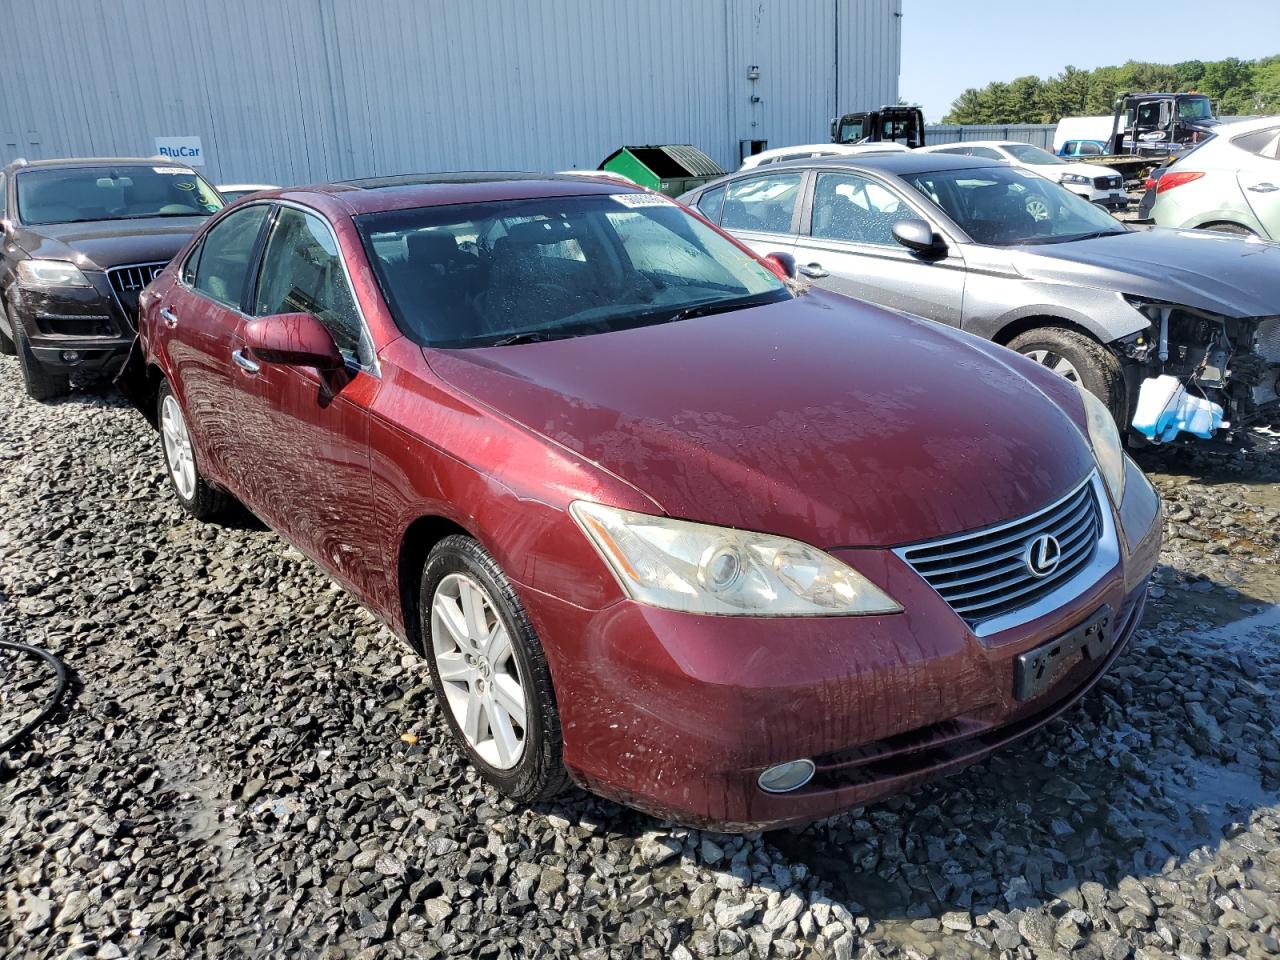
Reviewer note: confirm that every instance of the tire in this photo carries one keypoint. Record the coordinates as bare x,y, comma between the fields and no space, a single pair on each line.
1237,229
41,383
1095,367
7,347
198,497
480,677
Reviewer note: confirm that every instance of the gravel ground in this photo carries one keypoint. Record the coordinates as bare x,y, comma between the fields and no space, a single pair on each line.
247,764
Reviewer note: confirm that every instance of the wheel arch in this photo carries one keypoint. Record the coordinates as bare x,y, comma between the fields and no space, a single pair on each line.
1034,321
420,536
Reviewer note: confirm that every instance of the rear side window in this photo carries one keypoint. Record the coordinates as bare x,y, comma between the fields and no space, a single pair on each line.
986,153
223,260
302,273
1261,143
710,202
762,204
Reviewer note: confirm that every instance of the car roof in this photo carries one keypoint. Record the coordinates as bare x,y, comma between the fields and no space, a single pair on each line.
912,161
407,191
70,162
1236,127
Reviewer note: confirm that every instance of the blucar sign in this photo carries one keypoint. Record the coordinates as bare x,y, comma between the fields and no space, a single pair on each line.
185,150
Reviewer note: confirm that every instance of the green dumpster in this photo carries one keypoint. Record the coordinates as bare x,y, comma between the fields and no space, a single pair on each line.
671,169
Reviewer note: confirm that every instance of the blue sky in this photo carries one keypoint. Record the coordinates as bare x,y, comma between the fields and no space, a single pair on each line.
948,45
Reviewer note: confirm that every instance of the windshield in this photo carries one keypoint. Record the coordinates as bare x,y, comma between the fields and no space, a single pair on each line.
77,194
1004,206
1026,153
481,274
851,131
1194,108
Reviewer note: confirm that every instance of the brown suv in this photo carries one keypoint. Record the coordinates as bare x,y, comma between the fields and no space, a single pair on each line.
81,240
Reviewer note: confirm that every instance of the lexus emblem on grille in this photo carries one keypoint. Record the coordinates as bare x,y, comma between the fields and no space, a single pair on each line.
1042,556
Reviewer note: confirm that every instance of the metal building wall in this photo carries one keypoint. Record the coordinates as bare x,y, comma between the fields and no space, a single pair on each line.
291,91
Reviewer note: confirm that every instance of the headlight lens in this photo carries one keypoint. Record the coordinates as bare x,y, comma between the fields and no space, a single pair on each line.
50,273
1073,178
698,568
1108,449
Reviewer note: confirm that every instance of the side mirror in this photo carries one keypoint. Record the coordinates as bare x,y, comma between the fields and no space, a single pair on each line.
783,264
292,340
918,236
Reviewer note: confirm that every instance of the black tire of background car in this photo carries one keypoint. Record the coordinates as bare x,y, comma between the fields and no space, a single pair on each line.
540,773
207,503
1237,229
1099,369
7,347
60,673
41,382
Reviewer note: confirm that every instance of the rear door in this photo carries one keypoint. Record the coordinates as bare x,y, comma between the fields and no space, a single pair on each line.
846,244
309,449
764,211
201,331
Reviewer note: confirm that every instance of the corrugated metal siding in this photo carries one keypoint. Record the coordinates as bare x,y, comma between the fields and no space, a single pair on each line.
291,91
1039,134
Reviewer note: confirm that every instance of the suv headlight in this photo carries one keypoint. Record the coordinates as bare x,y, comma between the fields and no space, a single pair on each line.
50,273
1074,178
1104,437
698,568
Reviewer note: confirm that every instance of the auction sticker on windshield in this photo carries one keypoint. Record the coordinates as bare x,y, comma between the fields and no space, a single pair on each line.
640,199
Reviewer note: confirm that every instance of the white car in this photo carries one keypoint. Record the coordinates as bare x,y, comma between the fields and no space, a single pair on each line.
232,192
806,151
1102,185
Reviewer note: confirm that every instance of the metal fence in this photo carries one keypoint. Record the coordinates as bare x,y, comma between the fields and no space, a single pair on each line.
1040,134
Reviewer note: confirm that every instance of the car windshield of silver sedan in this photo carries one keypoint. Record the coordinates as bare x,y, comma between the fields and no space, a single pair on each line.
1004,206
488,274
84,194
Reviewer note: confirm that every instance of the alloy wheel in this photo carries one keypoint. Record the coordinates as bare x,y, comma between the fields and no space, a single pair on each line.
478,670
177,448
1055,362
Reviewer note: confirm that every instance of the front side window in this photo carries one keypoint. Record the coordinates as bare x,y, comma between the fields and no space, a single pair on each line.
1088,148
223,261
855,209
1026,153
762,204
472,275
126,192
1003,205
302,272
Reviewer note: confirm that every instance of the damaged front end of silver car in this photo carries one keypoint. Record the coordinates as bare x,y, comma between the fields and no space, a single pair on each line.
1199,373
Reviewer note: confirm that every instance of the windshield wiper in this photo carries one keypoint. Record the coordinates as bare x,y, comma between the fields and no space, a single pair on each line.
1070,237
527,336
716,306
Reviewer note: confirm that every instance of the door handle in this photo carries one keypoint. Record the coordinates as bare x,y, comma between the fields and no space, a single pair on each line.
814,271
243,362
1263,188
168,316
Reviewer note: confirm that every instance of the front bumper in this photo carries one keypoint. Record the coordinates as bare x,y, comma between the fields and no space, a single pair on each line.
679,714
73,327
1111,199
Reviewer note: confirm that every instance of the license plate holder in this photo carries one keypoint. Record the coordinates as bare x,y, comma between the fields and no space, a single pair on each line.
1037,670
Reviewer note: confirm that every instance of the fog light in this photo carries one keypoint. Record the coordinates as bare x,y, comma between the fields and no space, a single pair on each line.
785,777
70,356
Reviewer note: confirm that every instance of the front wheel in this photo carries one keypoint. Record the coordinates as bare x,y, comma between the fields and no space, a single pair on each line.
490,673
1080,359
40,382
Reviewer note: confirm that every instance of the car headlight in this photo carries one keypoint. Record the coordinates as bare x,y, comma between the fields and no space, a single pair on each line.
698,568
1104,437
50,273
1074,178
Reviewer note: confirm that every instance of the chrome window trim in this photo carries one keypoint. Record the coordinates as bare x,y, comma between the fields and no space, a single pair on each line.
1105,557
373,368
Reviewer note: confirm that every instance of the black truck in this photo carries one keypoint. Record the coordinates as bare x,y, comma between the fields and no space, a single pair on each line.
897,123
81,238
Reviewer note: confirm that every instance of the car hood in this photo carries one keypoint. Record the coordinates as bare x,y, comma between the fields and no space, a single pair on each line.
1228,275
819,418
110,243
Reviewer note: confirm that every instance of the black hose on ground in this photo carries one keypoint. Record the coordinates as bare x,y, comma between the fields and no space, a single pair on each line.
60,671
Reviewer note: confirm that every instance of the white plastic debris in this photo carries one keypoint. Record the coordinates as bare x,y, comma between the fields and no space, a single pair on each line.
1165,409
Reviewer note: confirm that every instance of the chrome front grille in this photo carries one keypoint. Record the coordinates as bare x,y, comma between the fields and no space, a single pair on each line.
133,278
986,574
127,282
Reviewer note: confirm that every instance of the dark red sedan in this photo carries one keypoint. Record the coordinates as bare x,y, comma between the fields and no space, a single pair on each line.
661,523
